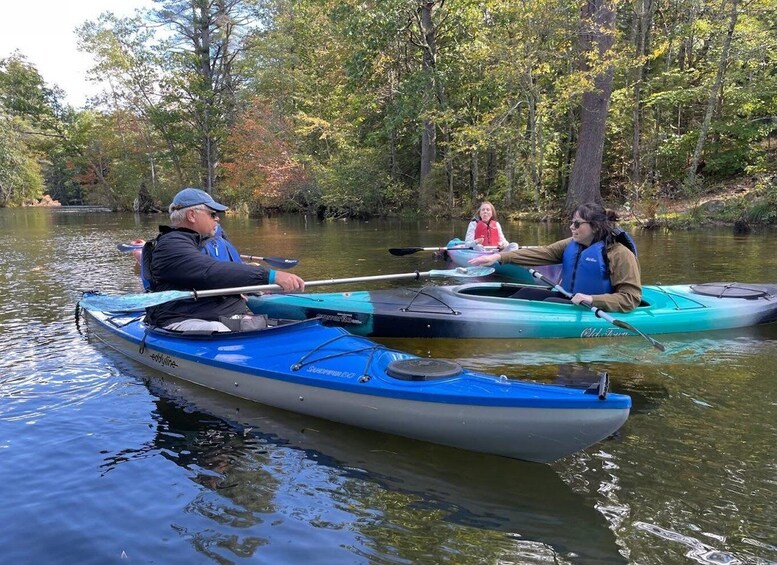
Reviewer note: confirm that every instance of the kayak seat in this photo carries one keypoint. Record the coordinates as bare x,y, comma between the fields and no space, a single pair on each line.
540,294
271,323
557,299
245,323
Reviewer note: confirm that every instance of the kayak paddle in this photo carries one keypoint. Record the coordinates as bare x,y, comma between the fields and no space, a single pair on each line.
133,302
129,247
598,311
400,251
277,262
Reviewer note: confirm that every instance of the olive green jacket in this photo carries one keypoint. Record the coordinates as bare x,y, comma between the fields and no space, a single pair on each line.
624,272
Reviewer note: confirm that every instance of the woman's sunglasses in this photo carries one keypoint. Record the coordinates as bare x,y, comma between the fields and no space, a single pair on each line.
577,223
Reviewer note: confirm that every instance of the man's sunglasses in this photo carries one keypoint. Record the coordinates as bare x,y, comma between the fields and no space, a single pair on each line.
577,223
213,214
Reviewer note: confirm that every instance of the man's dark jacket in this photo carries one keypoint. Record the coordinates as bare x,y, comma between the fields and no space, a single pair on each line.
175,262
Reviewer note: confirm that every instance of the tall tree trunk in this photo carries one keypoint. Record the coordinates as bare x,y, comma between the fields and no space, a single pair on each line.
429,134
691,176
205,39
491,162
449,169
201,21
473,174
394,169
428,155
539,156
531,131
509,172
393,160
641,30
686,58
567,157
584,185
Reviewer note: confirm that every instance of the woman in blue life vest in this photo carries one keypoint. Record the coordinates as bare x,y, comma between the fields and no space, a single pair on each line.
599,262
485,230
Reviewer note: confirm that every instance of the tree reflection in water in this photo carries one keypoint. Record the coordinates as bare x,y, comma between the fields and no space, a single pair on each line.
266,473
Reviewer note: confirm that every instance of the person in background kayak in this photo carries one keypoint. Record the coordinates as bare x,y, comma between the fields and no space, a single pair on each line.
485,230
175,261
596,267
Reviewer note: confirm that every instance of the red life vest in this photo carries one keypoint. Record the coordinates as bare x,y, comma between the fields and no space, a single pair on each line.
488,232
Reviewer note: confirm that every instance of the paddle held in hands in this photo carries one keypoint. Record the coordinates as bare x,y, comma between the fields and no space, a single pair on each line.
134,302
597,311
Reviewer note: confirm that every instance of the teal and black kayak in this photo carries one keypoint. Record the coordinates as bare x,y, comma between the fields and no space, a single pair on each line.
488,310
328,373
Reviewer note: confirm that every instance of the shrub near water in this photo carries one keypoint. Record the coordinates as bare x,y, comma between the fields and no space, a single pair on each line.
763,206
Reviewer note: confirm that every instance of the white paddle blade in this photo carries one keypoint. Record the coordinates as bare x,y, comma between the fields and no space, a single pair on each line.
463,272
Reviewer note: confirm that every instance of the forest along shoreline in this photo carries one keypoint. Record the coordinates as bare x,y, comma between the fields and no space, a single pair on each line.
434,110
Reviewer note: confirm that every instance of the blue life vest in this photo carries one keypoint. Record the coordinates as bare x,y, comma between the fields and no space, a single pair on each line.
585,269
219,247
145,264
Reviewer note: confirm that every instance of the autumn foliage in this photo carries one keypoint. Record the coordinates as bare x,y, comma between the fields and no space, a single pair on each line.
261,160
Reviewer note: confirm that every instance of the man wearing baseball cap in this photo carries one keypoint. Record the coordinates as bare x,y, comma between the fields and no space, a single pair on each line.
193,197
175,261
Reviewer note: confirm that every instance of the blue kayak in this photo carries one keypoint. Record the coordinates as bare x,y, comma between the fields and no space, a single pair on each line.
328,373
488,310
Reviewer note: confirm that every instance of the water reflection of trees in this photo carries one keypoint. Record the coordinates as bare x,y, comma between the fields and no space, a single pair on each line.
337,492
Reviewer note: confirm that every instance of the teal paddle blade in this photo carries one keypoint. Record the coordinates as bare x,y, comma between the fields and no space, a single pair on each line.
130,302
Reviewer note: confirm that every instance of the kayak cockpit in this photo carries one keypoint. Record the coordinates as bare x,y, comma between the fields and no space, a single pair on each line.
509,290
495,290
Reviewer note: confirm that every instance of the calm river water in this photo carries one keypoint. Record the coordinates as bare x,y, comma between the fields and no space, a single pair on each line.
101,462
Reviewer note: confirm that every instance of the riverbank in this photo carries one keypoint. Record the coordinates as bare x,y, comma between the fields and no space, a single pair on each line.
743,203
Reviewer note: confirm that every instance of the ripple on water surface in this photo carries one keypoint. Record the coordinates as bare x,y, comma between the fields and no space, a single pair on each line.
103,464
48,368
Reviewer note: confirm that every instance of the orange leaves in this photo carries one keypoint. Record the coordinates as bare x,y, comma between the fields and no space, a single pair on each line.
261,160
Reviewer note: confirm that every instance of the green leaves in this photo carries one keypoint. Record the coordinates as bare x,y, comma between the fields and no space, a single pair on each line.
493,87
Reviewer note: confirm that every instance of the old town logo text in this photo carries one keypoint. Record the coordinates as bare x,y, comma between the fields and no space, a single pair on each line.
603,332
